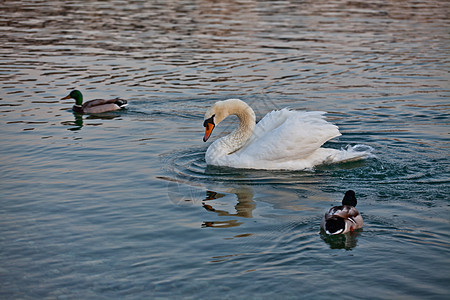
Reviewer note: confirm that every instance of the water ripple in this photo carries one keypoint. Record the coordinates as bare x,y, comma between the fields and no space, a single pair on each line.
125,206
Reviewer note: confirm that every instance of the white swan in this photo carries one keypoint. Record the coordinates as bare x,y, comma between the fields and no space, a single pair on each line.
283,139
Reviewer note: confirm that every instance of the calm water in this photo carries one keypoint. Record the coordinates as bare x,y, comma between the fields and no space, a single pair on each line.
124,206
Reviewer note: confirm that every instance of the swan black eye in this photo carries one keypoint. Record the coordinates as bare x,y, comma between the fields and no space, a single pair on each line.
209,121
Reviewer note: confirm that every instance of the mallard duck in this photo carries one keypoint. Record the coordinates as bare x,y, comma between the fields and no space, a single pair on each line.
344,218
94,106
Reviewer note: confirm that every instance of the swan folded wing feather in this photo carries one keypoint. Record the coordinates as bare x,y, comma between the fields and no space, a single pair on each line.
292,130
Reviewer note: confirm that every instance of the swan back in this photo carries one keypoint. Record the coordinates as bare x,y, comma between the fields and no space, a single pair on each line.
286,135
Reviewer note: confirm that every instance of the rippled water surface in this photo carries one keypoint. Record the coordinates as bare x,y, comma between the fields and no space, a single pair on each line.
123,205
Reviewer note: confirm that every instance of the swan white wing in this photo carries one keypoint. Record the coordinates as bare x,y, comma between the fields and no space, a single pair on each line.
286,135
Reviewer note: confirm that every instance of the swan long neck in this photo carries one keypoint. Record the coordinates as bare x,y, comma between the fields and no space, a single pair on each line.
247,120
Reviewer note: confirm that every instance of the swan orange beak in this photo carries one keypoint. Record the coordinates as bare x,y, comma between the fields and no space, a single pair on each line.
208,129
66,97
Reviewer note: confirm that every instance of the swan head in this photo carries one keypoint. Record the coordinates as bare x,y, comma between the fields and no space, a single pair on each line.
349,198
222,109
214,115
209,126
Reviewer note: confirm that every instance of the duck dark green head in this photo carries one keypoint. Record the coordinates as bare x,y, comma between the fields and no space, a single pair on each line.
349,198
75,94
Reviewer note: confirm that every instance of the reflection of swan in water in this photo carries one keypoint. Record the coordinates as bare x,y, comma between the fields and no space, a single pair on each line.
221,224
182,192
283,139
245,204
244,207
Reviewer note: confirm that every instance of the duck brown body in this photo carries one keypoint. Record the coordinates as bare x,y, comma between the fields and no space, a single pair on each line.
100,106
96,106
344,218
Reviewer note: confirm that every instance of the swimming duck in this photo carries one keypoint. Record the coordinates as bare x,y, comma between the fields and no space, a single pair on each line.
344,218
94,106
283,139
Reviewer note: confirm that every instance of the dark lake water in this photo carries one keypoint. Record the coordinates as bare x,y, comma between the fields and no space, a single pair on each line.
123,206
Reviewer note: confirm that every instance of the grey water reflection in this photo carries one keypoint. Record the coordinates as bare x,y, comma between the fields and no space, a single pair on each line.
79,120
77,124
243,208
345,241
181,193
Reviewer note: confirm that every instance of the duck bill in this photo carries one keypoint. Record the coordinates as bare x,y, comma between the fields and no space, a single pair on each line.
66,97
208,131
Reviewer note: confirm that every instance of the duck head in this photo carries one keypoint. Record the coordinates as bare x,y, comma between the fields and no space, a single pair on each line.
349,198
75,94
